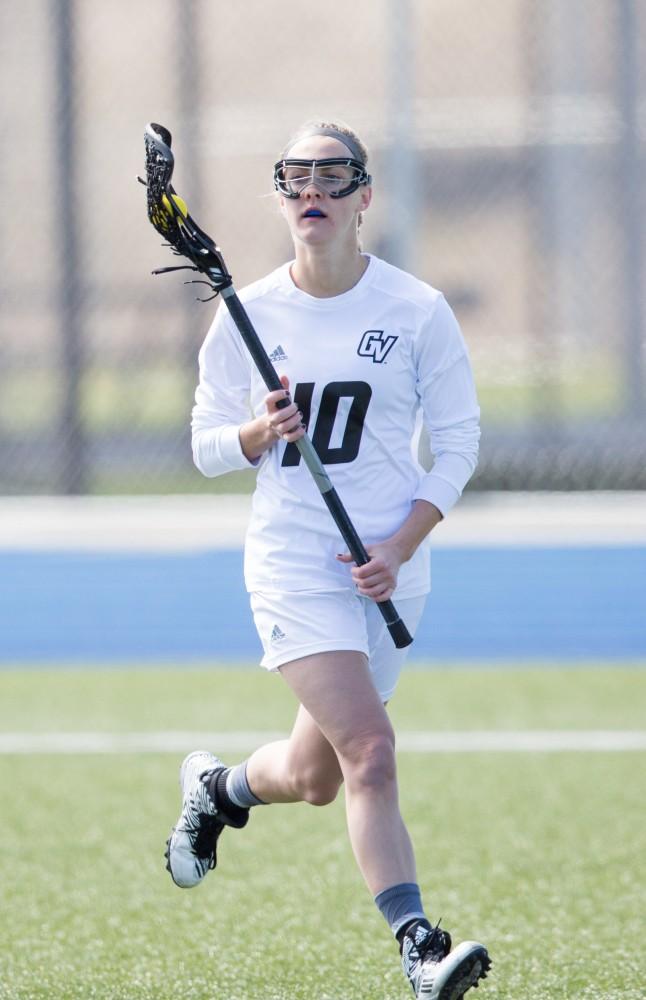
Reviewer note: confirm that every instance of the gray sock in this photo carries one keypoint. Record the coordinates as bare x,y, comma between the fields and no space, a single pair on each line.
401,904
238,788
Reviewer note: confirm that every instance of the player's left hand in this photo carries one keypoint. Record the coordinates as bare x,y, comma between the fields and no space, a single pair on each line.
378,578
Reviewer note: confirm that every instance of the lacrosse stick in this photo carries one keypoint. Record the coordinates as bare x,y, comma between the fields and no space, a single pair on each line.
170,217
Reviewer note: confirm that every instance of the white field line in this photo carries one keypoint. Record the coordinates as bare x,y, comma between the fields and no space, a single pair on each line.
463,741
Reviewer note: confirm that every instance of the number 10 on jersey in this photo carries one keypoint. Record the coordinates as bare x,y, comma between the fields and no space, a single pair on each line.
359,393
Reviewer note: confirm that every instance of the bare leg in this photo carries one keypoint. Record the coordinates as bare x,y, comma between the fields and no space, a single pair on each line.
303,768
342,718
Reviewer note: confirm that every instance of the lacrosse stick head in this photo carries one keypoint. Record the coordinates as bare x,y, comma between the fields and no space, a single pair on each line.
160,164
168,214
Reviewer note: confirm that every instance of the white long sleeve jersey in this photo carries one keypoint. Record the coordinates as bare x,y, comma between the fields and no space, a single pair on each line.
361,367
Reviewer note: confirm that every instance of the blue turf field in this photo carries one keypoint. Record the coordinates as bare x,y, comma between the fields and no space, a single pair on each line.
487,603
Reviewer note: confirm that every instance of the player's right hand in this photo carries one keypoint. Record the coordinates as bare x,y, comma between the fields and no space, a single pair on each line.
283,423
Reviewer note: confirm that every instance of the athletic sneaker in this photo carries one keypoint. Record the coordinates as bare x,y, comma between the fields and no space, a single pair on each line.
191,849
434,971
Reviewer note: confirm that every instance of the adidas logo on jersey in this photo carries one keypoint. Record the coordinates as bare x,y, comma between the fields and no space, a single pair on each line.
278,354
277,634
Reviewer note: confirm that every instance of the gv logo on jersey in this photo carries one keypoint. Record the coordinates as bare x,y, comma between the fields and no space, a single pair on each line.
374,345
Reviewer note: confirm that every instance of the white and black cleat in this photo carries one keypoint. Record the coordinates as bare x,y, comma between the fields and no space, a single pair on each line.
191,849
437,973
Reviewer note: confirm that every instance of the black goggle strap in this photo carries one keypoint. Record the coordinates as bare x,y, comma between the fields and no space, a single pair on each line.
361,176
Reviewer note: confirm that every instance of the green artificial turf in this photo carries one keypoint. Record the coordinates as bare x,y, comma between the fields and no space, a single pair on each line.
540,855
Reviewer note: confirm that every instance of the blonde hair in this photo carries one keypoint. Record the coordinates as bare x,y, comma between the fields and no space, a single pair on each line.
311,128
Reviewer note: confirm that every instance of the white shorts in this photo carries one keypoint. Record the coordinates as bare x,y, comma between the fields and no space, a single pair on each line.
298,623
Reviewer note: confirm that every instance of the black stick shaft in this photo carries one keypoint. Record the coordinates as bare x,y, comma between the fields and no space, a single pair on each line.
400,634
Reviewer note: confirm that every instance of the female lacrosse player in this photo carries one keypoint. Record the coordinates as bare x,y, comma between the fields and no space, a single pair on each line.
361,347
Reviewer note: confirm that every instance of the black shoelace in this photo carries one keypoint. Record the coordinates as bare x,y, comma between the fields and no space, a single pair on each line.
436,945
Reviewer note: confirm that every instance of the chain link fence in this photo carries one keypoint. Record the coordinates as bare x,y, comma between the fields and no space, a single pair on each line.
506,144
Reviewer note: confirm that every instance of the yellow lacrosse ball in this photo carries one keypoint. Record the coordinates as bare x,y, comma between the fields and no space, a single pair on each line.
180,205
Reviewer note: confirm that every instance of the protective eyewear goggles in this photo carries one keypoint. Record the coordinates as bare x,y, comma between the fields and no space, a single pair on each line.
336,176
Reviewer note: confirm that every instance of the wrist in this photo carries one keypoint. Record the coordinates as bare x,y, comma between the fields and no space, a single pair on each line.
405,544
423,518
403,547
256,438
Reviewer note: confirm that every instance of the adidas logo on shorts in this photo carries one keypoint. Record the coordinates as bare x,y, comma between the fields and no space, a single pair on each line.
278,354
277,634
